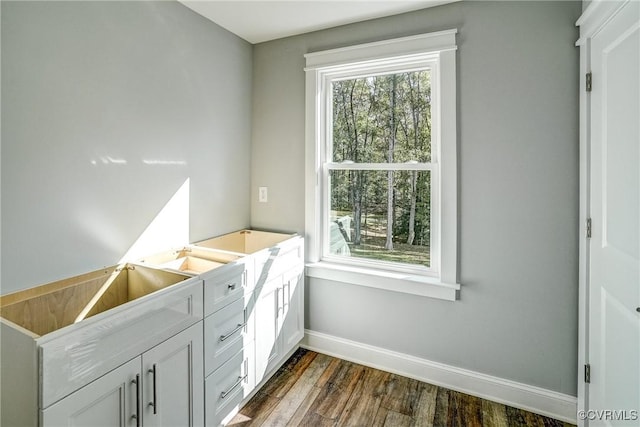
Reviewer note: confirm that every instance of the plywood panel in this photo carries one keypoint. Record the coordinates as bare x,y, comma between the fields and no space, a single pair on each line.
47,308
53,286
113,293
197,265
245,241
43,313
233,242
143,281
209,254
258,240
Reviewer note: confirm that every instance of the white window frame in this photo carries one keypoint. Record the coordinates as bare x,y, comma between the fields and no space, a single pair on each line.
433,51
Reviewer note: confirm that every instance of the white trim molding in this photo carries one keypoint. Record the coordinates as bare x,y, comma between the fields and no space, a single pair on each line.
437,52
413,284
404,46
530,398
596,16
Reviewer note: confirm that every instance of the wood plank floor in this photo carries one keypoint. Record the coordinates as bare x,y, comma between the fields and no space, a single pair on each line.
313,389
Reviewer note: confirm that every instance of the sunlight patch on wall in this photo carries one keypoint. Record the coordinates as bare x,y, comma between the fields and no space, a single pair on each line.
109,161
169,229
165,162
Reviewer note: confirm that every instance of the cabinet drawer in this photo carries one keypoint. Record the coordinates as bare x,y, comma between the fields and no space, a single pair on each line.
226,332
70,360
223,286
227,387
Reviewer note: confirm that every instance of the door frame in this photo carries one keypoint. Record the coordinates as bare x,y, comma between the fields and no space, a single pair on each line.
592,20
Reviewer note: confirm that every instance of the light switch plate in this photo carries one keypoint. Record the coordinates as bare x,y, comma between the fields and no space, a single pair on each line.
262,194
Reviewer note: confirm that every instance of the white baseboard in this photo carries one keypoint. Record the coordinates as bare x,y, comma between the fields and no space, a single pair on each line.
534,399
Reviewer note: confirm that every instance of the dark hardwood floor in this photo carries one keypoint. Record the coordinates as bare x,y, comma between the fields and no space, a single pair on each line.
313,389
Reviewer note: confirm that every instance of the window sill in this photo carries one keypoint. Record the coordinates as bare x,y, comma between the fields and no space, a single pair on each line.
382,279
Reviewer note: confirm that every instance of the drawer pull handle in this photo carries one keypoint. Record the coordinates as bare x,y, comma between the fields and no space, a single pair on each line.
240,326
233,387
154,404
231,286
136,416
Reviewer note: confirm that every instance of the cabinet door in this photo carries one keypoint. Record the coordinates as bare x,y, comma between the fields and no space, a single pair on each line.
174,381
108,401
292,313
267,328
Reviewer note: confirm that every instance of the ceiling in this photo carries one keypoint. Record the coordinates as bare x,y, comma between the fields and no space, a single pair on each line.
262,20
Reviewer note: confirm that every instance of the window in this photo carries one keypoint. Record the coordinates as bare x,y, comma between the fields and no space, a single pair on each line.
381,165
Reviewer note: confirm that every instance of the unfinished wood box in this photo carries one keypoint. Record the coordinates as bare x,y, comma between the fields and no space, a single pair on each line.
61,336
245,242
190,260
271,253
224,274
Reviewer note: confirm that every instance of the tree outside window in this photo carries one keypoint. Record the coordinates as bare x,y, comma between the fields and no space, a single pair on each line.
379,168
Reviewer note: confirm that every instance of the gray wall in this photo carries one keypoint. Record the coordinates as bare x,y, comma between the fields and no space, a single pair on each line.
85,84
518,186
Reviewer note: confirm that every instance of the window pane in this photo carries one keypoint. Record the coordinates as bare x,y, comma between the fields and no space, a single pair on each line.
381,119
364,222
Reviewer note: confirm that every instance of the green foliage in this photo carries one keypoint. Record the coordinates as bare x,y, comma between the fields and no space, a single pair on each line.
362,116
422,224
380,119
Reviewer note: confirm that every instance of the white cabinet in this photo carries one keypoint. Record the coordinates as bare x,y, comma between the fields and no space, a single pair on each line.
108,401
161,387
228,340
58,338
227,331
279,319
248,336
291,317
267,306
226,388
143,344
173,387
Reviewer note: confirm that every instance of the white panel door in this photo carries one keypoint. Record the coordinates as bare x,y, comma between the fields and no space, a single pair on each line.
614,279
106,402
174,381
